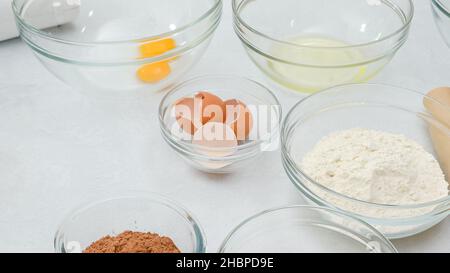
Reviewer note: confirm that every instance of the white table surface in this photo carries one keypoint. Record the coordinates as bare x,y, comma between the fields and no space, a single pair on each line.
81,153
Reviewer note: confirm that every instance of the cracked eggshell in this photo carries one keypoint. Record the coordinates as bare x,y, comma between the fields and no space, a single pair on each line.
212,107
185,115
215,139
239,118
192,113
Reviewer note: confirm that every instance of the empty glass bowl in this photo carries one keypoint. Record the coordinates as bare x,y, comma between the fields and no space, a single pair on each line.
143,213
441,12
116,46
264,136
302,229
369,106
309,45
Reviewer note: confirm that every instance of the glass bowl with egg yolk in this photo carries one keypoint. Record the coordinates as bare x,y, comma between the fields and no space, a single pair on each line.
118,47
217,146
310,45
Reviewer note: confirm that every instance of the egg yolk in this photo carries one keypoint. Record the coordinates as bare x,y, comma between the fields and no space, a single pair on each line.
155,48
154,72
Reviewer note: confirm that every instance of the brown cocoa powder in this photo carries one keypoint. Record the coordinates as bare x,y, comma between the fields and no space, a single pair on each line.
133,242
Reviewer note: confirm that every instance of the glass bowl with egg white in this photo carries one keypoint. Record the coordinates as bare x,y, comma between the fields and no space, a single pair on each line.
310,45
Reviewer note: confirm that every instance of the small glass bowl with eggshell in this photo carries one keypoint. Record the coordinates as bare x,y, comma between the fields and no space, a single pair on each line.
116,47
220,123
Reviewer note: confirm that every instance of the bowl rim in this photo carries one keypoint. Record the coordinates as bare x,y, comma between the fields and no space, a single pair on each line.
404,27
151,197
287,155
183,145
442,7
335,212
388,53
22,22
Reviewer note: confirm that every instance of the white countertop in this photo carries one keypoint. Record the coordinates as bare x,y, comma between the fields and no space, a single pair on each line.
80,152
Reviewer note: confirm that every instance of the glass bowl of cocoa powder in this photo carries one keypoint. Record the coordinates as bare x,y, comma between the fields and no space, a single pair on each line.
144,223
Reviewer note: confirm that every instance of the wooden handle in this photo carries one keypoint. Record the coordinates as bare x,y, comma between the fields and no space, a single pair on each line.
439,107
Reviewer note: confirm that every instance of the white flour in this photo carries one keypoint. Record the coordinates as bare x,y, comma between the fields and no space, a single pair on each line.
376,167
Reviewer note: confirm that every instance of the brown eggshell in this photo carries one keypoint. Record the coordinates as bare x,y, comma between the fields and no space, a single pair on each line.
185,115
239,118
216,139
212,107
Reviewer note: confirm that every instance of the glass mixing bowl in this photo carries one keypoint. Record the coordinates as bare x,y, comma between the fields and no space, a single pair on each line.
309,45
371,106
142,212
116,46
264,136
302,229
441,12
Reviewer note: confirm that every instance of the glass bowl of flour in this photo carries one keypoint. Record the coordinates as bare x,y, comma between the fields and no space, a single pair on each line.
377,152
